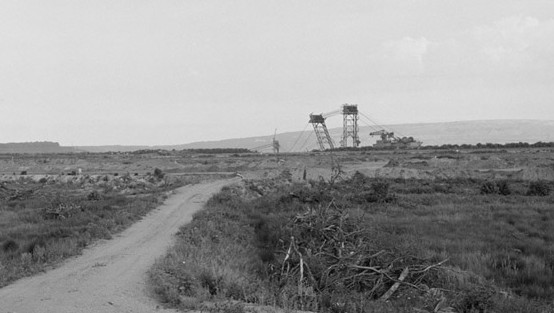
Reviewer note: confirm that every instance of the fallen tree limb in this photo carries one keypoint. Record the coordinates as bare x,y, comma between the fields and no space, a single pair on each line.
396,285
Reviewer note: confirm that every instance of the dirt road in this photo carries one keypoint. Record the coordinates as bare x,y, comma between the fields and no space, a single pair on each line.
111,275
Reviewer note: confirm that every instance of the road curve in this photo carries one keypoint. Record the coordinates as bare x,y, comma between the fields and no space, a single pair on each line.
111,275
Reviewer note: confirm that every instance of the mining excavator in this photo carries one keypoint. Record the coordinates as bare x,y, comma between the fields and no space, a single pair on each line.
388,139
273,145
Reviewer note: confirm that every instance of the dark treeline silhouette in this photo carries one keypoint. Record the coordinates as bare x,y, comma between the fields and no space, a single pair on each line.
539,144
193,151
510,145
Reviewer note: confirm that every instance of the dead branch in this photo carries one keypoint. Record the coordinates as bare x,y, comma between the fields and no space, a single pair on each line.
396,285
328,251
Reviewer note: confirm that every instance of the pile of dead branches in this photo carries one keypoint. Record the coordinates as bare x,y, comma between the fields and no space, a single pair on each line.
331,253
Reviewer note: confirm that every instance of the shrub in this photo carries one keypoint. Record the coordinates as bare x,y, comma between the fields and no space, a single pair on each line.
475,301
538,188
503,187
93,196
488,188
35,245
158,173
379,192
500,187
10,245
380,189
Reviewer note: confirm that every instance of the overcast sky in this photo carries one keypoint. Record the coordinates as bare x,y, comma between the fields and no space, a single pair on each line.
169,72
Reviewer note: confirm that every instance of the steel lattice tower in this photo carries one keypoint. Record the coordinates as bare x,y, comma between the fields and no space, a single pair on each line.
321,132
350,125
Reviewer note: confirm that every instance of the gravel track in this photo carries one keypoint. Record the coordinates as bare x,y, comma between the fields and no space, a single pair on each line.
111,275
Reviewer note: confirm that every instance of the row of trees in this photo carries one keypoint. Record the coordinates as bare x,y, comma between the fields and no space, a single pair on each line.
193,151
539,144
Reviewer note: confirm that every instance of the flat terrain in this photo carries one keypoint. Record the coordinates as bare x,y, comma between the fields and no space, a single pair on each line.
110,276
522,163
435,195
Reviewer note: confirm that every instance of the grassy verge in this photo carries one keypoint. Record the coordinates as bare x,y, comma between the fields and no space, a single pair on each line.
446,245
42,223
213,258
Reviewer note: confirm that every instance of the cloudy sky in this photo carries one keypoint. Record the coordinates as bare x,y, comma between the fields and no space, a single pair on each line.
169,72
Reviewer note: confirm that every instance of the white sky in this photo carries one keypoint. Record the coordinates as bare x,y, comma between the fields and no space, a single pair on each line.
169,72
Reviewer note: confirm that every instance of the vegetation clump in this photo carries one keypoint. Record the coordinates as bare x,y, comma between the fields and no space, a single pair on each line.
158,173
538,188
9,246
495,187
93,196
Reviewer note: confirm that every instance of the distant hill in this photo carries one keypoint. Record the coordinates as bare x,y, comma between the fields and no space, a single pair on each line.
468,132
465,132
34,147
473,132
111,148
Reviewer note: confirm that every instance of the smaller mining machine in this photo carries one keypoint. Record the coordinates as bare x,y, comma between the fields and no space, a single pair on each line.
273,145
389,140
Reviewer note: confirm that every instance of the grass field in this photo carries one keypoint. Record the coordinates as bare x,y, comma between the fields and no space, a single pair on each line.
437,231
461,246
44,222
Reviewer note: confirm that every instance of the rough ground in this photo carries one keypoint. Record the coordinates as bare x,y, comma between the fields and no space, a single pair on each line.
111,276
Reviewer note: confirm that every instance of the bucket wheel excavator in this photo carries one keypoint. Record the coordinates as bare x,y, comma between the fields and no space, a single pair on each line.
388,139
324,140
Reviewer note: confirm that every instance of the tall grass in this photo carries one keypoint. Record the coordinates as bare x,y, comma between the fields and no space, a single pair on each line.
215,258
499,247
31,239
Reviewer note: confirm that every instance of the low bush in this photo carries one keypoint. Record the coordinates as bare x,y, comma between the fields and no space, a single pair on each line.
489,187
503,188
495,187
158,173
10,246
538,188
93,196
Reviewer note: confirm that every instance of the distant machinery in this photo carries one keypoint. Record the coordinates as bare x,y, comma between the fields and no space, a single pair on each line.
322,134
350,130
350,125
274,145
388,139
